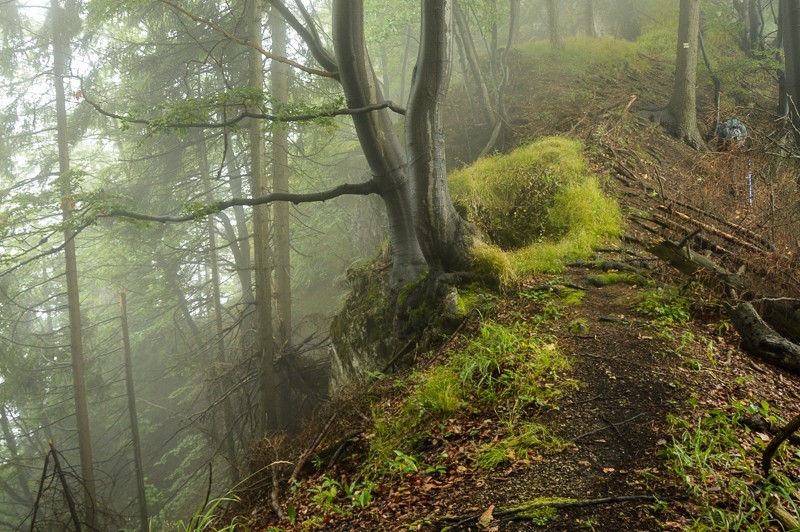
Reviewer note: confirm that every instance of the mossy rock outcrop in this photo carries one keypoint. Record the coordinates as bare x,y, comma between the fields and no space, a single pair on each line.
377,326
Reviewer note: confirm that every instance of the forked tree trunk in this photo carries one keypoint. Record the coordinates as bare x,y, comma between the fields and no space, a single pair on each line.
378,140
444,236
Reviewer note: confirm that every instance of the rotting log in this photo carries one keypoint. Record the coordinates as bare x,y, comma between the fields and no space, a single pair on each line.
759,338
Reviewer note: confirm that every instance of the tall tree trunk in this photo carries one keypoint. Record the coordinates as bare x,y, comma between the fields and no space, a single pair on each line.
591,27
137,447
680,114
218,373
553,25
444,236
474,66
790,24
261,220
60,55
378,140
279,79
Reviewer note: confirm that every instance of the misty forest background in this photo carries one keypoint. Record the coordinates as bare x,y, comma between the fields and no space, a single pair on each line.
115,111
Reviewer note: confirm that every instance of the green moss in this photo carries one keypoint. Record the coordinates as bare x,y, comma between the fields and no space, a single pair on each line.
491,261
578,326
541,202
541,510
609,278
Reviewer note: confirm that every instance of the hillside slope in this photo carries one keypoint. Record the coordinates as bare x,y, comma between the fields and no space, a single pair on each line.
610,396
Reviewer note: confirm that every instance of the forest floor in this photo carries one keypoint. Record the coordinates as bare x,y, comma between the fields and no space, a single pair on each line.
655,425
641,382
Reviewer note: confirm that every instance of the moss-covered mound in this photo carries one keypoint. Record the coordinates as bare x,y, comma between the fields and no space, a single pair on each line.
540,202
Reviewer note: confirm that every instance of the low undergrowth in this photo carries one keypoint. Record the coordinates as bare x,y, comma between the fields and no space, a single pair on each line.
716,458
506,369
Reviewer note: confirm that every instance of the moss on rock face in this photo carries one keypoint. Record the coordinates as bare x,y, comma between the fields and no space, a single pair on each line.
374,326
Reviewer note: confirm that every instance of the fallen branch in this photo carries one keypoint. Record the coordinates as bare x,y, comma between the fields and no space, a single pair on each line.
758,338
615,425
776,442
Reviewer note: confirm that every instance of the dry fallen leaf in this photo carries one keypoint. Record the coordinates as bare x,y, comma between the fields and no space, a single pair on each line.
486,518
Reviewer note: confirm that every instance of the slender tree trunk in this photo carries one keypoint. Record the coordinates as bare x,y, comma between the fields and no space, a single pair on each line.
137,447
474,66
378,140
261,221
790,17
445,237
11,443
60,55
223,384
591,27
280,183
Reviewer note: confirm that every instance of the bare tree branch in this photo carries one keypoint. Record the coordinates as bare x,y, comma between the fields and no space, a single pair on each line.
261,116
308,34
255,46
357,189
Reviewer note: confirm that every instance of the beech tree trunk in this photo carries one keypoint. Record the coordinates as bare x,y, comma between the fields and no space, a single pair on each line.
444,236
378,140
60,55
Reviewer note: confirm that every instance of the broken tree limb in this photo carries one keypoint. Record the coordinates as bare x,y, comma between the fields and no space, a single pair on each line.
758,338
776,442
711,229
761,340
693,264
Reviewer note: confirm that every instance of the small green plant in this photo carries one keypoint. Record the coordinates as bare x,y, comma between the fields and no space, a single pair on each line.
521,438
665,307
325,494
504,365
207,517
719,472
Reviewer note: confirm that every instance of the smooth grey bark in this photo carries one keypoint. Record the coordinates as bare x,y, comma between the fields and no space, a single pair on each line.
60,57
377,138
444,236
